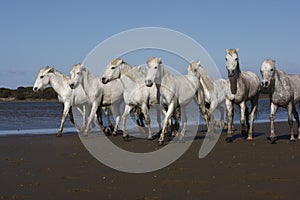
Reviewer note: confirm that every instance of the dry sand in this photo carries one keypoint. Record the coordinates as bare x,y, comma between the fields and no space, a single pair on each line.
46,167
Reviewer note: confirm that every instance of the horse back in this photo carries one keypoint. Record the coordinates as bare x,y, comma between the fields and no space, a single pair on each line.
295,82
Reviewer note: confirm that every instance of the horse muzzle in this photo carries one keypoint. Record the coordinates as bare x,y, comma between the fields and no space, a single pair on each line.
35,89
231,73
265,84
72,85
148,83
104,80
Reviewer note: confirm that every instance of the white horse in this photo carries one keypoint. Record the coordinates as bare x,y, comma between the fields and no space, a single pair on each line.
136,94
175,92
244,86
98,94
60,83
284,92
214,92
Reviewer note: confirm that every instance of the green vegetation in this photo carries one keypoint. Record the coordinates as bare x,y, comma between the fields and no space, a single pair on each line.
26,93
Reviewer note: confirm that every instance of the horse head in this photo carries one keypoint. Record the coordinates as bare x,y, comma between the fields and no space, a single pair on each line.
267,71
43,78
153,70
193,68
113,70
76,75
232,61
233,68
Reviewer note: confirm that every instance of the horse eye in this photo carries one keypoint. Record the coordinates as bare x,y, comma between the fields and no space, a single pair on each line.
272,69
155,67
226,59
113,67
78,73
236,59
41,77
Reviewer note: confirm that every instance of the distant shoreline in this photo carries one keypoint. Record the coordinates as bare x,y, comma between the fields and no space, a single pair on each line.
27,100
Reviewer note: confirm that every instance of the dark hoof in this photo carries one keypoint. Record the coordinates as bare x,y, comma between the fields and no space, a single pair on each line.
126,138
228,139
273,140
160,143
293,140
112,128
114,134
58,134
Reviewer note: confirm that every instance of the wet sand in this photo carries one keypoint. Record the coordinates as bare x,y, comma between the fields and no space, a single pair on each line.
46,167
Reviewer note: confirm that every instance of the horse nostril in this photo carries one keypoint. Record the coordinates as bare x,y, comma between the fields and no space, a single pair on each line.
72,85
35,89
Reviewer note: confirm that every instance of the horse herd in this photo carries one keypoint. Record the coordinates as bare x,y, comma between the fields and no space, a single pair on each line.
158,88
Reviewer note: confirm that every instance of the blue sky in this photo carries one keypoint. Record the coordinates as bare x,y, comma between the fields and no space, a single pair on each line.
34,34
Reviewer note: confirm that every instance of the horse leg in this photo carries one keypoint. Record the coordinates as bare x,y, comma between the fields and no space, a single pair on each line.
63,118
106,113
90,118
184,122
147,119
175,127
115,108
243,107
166,121
158,118
100,120
295,113
72,119
124,116
229,107
291,107
254,103
272,115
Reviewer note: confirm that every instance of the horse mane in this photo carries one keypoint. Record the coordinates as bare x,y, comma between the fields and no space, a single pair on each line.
207,80
135,74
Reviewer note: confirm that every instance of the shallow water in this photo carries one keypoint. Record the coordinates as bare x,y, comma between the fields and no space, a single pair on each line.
44,117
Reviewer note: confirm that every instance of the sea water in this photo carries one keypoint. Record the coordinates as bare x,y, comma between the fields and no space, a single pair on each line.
45,117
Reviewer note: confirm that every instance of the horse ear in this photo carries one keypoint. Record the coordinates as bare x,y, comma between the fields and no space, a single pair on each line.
227,51
274,61
119,62
159,60
237,49
198,62
50,70
82,67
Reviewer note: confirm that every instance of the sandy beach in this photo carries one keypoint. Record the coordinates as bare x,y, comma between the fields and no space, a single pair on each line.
46,167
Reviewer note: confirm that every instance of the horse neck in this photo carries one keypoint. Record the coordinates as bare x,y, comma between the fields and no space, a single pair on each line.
58,82
125,69
276,83
88,81
164,74
234,80
207,80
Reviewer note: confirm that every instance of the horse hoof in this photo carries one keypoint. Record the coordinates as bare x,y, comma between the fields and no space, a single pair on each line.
114,134
126,138
273,140
228,139
58,135
293,140
160,143
249,138
150,138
